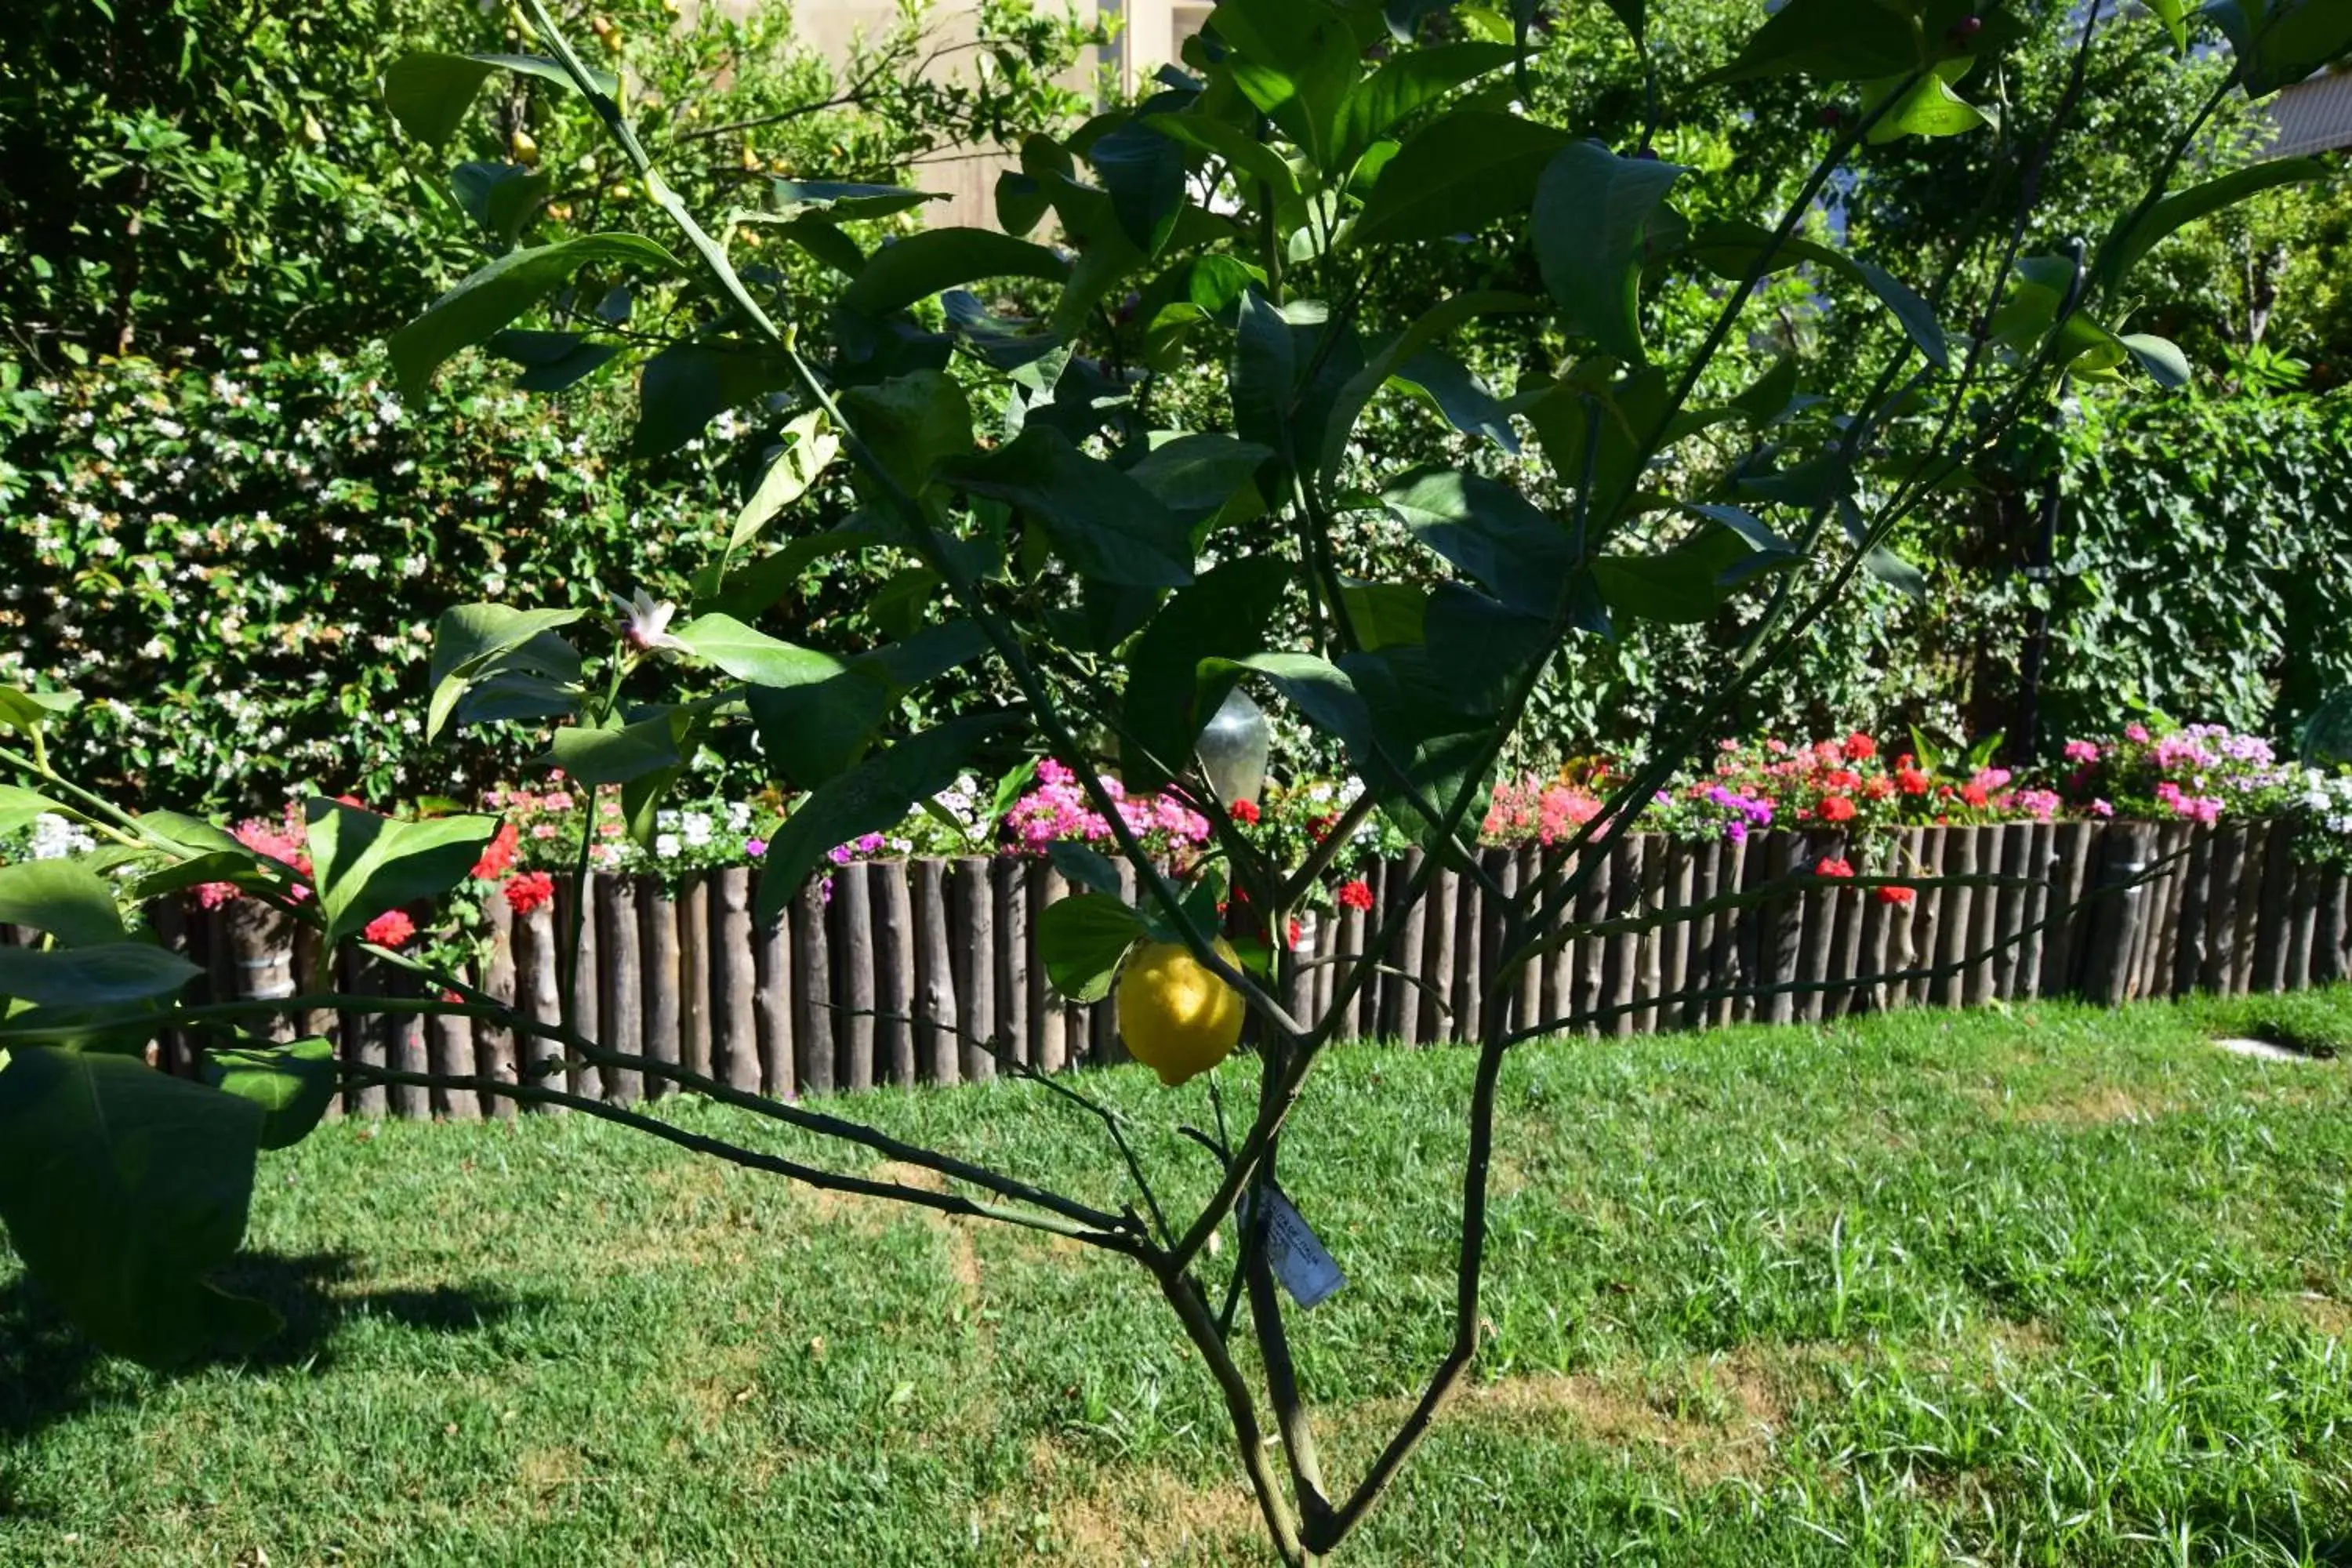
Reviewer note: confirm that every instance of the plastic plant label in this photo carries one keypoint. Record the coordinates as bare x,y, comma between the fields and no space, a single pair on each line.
1298,1259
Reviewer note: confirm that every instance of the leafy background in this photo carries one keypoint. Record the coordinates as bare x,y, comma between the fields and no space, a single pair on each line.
221,525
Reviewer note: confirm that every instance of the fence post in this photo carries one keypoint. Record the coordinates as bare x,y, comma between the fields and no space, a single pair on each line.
733,981
656,989
816,1056
775,984
852,988
1008,885
974,947
494,1045
624,910
938,1047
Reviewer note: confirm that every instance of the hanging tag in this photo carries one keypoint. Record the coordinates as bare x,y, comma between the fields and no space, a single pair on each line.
1298,1258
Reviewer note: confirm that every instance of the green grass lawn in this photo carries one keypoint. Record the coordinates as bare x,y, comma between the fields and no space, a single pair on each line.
2043,1286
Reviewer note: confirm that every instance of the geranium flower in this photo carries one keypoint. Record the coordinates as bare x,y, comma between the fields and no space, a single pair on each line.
390,929
498,855
1836,808
529,890
1860,747
1245,811
1894,895
1356,894
1832,866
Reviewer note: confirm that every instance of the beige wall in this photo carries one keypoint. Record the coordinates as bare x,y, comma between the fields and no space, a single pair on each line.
1153,30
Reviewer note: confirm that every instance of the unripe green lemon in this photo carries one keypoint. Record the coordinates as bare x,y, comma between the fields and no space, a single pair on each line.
1177,1017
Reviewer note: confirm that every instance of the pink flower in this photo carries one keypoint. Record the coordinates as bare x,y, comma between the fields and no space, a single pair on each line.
2082,752
2101,808
2135,732
755,847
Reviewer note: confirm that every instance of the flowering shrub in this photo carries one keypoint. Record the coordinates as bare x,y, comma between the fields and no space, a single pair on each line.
1057,811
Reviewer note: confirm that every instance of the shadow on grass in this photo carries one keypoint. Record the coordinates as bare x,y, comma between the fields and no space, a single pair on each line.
48,1373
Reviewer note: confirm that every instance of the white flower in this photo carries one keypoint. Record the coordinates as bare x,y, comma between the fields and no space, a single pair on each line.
666,845
696,825
55,837
645,624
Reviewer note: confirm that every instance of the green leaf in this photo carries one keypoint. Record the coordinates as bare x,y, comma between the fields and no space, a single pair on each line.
686,386
809,449
1409,81
1107,526
1687,583
616,754
1084,868
2160,357
842,202
1831,40
19,808
921,265
1196,477
499,293
366,864
1446,384
1460,172
472,643
1730,250
754,656
869,797
1928,107
1895,573
1080,941
1490,532
429,93
122,1187
293,1084
63,898
1295,62
1143,171
1434,323
2283,42
2136,233
1244,155
550,361
101,977
500,196
1594,214
910,423
2174,14
29,712
1223,616
1383,614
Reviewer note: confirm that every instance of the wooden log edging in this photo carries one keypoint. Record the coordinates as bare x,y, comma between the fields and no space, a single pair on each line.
896,973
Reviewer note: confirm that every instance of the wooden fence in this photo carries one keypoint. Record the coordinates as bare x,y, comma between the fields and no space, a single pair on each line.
898,976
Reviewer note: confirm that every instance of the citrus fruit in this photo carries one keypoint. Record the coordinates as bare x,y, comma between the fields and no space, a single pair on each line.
1177,1017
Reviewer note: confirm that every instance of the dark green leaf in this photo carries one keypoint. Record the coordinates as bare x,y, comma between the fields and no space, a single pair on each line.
2135,235
293,1084
1436,322
2283,42
1143,171
1410,81
616,754
1196,477
1490,532
1107,526
100,977
122,1187
430,93
869,797
1593,216
1460,172
842,202
66,900
500,197
367,863
1731,250
1832,40
499,293
686,386
921,265
473,642
552,361
911,422
1223,616
1080,941
1082,867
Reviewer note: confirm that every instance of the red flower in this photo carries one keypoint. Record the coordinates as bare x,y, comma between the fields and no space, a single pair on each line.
530,890
1911,780
1860,747
390,929
1841,778
497,856
1356,894
1836,808
1894,895
1245,811
1973,793
1832,867
1877,788
1293,943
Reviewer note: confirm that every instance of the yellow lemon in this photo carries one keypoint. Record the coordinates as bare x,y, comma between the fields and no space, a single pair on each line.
1177,1017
